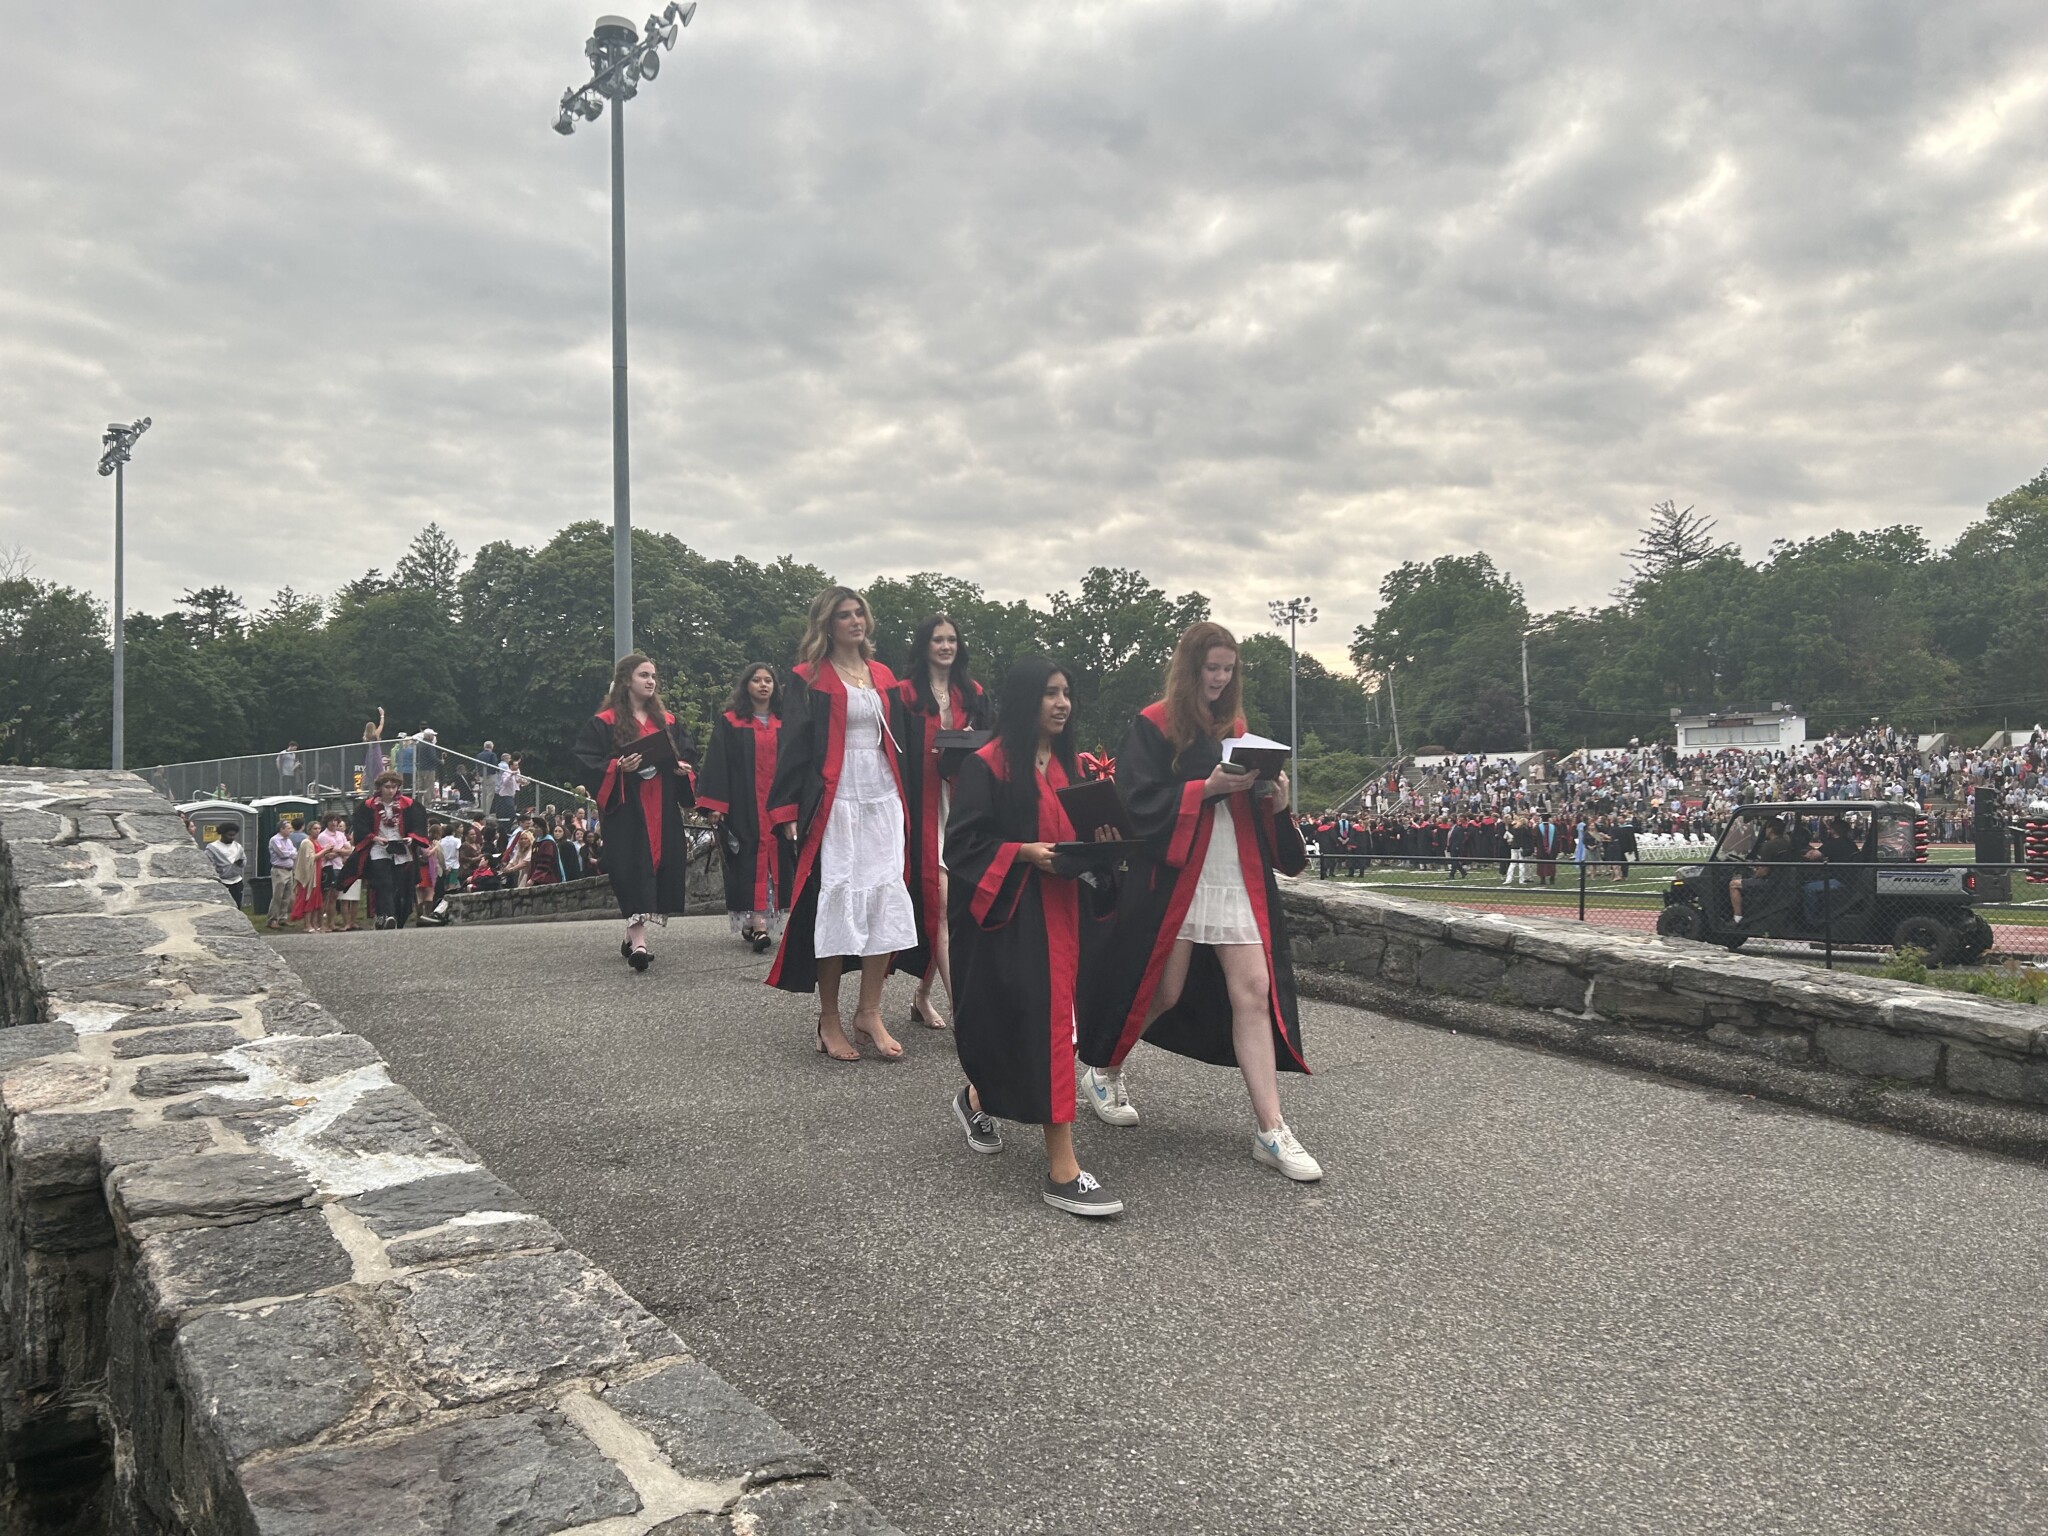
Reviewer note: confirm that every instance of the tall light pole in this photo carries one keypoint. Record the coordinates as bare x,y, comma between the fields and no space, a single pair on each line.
1294,612
620,58
118,441
1528,718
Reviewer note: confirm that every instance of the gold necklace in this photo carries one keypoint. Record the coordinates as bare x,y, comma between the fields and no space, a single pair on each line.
861,679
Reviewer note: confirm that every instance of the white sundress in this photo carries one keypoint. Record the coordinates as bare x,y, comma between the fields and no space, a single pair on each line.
863,904
1221,912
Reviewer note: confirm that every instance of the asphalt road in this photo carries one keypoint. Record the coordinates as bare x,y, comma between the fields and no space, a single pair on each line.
1533,1295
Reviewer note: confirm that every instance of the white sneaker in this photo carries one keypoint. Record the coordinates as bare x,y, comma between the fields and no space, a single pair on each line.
1277,1148
1105,1093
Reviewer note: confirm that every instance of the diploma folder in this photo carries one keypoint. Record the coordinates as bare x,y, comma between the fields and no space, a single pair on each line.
1092,806
954,747
1265,758
657,749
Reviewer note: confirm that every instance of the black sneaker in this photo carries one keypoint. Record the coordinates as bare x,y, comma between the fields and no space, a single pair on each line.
1082,1197
982,1134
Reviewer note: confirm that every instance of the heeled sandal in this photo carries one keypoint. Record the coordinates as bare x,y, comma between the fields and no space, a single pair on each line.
922,1012
860,1030
826,1050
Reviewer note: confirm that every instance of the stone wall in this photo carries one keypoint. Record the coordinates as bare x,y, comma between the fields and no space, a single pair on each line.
1947,1063
576,899
248,1284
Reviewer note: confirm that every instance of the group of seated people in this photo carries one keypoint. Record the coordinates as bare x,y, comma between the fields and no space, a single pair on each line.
1775,844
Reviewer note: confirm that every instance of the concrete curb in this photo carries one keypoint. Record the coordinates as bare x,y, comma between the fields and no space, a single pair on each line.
250,1285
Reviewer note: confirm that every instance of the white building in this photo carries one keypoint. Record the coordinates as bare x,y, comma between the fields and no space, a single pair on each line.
1777,729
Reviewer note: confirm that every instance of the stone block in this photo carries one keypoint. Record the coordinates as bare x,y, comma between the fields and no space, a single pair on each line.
169,1079
168,1013
289,1254
313,1059
60,938
184,1040
26,1042
215,1106
45,900
217,1185
53,1154
472,1239
30,826
1633,1003
69,1223
1999,1077
390,1120
2010,1026
1356,953
525,1474
515,1323
53,1081
1724,975
77,977
1777,1044
149,1142
707,1430
1397,961
1481,931
296,1016
178,893
1542,984
1876,1053
814,1507
1459,971
272,1377
36,864
433,1202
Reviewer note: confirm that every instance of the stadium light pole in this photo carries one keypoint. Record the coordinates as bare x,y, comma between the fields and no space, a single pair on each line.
1294,612
620,58
118,445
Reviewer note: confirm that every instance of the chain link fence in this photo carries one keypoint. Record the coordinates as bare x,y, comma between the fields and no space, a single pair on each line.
1953,913
434,774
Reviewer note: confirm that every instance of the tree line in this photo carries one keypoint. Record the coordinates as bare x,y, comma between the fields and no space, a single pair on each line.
513,645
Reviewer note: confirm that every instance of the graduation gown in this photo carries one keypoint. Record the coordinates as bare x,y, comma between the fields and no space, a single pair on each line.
1174,820
647,852
412,822
739,772
808,758
917,732
1022,943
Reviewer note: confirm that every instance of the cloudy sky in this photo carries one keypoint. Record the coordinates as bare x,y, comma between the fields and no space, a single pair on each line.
1260,297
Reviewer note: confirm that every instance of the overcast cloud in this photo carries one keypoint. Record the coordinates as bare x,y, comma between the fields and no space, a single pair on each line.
1263,298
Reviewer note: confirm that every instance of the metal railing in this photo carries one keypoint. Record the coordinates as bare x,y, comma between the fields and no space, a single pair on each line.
1951,914
347,771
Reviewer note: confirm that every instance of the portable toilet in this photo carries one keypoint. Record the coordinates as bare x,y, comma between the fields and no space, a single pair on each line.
207,817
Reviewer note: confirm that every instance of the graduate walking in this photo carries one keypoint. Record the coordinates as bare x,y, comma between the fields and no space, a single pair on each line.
739,772
938,693
838,798
1025,930
1200,963
637,767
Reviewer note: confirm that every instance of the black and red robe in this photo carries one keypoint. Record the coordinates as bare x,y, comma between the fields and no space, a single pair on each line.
917,733
1022,942
647,852
1173,819
412,822
808,758
739,772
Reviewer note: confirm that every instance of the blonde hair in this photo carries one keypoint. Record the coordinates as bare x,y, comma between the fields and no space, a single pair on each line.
817,641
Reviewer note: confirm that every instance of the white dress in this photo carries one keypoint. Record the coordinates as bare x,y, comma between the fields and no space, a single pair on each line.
1221,912
863,904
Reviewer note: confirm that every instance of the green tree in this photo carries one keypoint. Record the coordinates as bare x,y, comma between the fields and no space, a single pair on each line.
1449,634
432,564
1117,633
54,670
215,613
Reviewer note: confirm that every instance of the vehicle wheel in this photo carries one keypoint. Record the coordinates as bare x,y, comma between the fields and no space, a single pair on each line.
1977,940
1931,936
1682,922
1736,940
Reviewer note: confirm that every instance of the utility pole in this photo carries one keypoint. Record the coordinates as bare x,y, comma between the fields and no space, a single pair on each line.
1294,612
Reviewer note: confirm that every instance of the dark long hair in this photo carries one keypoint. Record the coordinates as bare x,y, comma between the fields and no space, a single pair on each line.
620,700
738,703
1017,729
919,667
